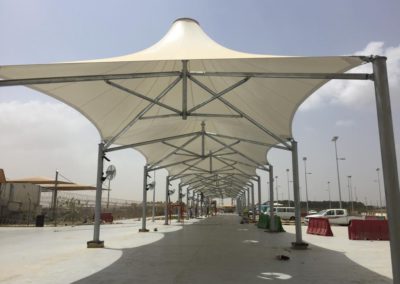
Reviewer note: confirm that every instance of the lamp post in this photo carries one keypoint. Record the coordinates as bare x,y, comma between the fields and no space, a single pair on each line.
329,194
334,139
288,187
350,193
276,189
305,175
379,187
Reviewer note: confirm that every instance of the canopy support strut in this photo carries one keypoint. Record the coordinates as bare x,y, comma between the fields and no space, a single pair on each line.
141,113
259,194
166,201
96,243
234,108
389,163
144,204
271,200
253,205
298,244
184,88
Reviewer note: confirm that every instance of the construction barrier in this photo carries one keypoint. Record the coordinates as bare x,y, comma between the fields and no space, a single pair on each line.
369,217
369,230
107,217
264,223
319,226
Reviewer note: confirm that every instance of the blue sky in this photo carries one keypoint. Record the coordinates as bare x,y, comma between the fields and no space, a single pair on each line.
41,134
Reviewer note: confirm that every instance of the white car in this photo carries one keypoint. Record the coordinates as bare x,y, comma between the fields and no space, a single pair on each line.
285,213
335,216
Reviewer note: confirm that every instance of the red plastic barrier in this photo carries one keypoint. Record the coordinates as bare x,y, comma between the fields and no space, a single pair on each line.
107,217
370,217
369,230
319,226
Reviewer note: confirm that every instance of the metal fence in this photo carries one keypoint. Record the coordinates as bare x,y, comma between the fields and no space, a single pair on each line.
77,208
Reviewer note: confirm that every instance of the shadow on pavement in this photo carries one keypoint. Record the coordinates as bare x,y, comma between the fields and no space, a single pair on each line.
220,250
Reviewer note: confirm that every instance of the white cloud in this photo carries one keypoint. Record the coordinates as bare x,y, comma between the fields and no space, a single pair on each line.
359,94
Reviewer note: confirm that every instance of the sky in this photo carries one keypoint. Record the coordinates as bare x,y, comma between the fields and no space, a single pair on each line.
40,135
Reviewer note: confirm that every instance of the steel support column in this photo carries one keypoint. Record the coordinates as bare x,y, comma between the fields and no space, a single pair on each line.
96,243
187,203
179,202
184,88
271,199
389,163
248,198
259,194
253,206
55,200
244,202
144,204
197,205
298,244
166,201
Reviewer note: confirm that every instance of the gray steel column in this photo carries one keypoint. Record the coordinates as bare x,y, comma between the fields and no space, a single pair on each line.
196,206
334,139
144,204
296,196
253,206
179,203
184,88
153,211
243,200
271,199
389,163
248,198
259,194
55,200
166,201
187,204
97,211
201,204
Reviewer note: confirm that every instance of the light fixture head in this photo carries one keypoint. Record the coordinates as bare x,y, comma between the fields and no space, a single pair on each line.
335,138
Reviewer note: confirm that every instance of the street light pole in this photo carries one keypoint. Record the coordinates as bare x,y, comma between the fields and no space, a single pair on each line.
305,175
350,193
379,187
288,187
329,194
334,139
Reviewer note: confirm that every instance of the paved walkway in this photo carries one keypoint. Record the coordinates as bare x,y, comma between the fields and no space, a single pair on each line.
213,250
220,250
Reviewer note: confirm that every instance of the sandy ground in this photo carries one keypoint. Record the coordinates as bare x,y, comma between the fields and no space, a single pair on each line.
373,255
40,255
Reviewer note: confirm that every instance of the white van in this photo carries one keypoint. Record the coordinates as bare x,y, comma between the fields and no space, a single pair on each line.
286,213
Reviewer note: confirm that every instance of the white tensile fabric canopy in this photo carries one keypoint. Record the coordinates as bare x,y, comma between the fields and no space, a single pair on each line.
156,101
185,79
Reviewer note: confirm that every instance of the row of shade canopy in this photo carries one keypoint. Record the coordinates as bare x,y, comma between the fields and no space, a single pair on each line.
206,113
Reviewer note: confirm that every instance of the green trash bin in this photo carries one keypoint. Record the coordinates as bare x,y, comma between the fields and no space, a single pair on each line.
264,223
40,221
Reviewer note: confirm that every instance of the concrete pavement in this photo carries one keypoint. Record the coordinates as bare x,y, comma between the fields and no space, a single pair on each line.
214,250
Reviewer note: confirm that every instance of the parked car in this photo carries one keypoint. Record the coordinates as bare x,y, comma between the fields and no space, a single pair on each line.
335,216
